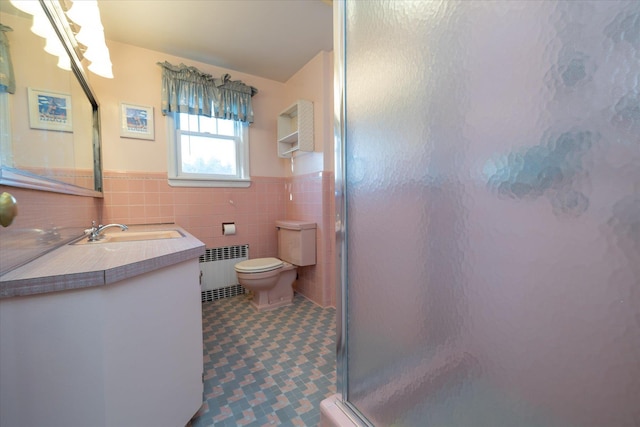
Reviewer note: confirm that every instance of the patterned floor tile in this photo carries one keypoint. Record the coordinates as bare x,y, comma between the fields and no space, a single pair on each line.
266,368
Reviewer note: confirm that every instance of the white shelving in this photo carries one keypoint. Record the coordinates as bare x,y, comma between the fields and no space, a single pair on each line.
295,128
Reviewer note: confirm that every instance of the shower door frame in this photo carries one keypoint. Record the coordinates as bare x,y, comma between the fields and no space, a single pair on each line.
339,128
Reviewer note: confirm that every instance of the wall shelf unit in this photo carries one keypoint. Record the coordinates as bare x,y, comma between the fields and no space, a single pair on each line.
295,128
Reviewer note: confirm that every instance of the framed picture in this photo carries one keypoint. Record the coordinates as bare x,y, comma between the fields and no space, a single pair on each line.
50,110
136,121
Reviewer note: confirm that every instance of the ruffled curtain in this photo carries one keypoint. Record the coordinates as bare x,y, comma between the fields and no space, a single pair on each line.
7,78
188,90
234,100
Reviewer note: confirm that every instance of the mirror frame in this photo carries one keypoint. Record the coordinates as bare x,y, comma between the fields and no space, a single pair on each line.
19,178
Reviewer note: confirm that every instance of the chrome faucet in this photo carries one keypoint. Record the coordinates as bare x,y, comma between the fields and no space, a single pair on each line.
95,231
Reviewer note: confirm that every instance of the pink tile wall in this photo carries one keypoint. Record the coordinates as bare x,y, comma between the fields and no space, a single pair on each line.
44,221
146,198
80,177
42,209
311,198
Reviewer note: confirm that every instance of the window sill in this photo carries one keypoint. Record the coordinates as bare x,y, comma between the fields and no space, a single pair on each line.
191,182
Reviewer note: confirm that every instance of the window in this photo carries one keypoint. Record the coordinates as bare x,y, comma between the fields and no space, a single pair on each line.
208,152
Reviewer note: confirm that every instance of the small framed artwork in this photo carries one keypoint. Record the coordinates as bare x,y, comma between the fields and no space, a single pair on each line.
136,121
49,110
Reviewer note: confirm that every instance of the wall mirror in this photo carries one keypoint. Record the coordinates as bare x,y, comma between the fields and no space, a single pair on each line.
49,127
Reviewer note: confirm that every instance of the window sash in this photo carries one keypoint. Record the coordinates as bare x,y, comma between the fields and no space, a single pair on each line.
213,138
178,178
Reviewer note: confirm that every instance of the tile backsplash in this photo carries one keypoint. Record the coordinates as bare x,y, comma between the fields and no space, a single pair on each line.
45,220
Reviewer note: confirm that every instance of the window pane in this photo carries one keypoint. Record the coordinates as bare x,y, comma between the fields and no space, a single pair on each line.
183,121
226,127
192,123
207,124
208,155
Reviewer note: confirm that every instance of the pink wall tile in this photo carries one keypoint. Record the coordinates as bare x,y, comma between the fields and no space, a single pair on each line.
117,199
151,186
64,216
136,186
145,198
308,202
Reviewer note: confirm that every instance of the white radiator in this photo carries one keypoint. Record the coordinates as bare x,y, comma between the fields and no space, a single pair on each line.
218,277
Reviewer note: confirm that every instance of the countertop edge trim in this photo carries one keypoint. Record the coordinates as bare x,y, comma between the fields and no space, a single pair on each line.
19,287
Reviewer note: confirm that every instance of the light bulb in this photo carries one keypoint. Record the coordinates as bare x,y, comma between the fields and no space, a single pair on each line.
54,46
85,13
64,62
27,6
102,68
90,35
41,25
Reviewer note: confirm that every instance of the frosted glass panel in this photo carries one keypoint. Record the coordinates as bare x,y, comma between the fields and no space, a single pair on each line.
493,212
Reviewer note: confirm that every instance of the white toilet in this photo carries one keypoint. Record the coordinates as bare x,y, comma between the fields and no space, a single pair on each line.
271,279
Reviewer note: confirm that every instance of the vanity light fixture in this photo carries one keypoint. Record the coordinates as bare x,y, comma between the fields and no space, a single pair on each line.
42,28
84,20
86,14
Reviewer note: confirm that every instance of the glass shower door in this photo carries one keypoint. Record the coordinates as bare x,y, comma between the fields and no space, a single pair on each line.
491,184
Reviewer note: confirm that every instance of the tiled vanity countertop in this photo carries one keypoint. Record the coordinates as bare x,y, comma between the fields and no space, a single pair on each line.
76,266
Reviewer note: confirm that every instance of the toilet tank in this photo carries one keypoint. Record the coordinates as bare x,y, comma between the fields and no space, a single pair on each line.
297,242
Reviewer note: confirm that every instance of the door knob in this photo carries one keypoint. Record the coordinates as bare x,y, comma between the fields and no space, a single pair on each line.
8,209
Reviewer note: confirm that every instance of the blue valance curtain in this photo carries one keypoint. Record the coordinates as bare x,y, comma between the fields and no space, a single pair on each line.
7,78
188,90
233,100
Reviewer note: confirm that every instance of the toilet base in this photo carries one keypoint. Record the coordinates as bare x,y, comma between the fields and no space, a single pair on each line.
279,296
269,305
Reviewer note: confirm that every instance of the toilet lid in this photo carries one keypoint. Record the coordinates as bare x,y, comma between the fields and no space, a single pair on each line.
258,265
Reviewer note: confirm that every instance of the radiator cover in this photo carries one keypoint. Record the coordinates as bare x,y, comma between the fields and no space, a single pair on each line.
217,274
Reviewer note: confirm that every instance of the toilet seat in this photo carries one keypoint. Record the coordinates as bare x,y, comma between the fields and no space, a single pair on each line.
258,265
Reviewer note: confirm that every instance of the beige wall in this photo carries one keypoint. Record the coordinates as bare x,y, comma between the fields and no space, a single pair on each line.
37,69
137,80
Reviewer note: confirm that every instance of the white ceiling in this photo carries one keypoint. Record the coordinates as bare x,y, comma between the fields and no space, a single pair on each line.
267,38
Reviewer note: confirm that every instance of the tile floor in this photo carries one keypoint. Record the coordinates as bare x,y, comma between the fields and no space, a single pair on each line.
269,368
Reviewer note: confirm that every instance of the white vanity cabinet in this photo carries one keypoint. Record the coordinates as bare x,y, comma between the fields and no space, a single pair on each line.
126,354
295,128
